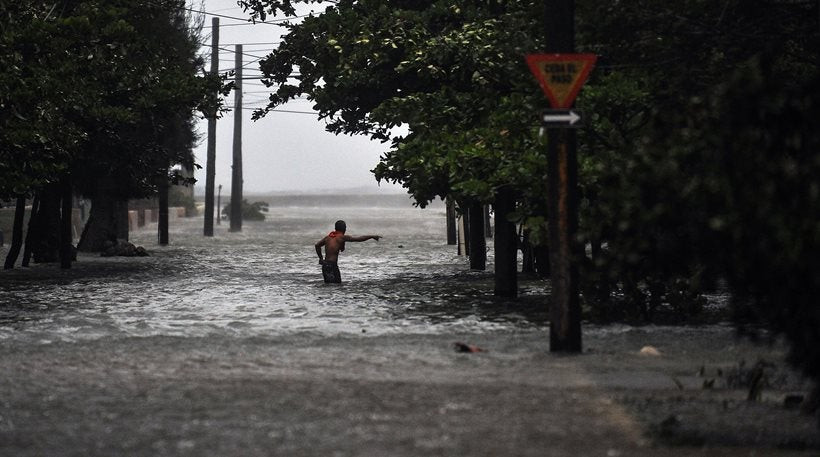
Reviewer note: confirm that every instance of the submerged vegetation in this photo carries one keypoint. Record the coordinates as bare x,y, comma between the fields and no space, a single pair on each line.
250,211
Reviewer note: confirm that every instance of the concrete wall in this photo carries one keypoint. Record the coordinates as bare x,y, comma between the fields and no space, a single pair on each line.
7,223
142,218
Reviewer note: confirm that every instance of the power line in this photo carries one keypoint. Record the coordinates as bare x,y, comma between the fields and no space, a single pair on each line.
253,44
243,24
284,111
244,53
273,22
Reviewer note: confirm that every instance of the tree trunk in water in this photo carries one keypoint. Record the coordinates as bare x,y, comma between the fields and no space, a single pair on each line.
527,251
462,234
463,220
66,237
488,227
478,243
45,242
506,245
162,222
452,236
30,236
542,261
16,233
107,222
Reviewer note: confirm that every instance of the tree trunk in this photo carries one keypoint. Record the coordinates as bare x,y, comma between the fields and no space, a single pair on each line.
32,227
478,243
66,237
461,223
452,236
527,252
16,233
162,222
107,220
542,261
45,244
506,245
488,227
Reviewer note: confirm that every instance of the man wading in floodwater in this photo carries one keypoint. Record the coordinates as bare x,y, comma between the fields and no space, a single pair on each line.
334,243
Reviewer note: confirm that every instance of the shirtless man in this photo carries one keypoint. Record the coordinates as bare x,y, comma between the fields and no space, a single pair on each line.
334,243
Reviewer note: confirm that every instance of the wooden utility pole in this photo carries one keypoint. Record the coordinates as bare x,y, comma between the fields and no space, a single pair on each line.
562,165
210,165
236,175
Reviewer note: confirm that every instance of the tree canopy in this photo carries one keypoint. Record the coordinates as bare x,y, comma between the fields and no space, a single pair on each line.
696,163
97,88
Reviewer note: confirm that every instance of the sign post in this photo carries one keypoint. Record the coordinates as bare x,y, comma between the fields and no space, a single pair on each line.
561,73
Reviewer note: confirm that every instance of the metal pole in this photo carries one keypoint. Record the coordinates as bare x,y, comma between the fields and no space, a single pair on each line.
210,166
236,175
562,166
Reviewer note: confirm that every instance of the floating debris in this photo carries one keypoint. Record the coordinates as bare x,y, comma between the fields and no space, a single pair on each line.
650,350
464,347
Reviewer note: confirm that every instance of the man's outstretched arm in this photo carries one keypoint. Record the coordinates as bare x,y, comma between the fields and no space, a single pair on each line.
318,247
362,238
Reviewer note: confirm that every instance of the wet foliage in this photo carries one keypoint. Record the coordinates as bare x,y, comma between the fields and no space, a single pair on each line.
698,161
250,211
95,89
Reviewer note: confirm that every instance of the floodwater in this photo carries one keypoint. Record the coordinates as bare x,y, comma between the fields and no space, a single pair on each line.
266,281
233,345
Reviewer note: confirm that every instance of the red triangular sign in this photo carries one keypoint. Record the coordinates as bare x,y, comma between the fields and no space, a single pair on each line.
561,75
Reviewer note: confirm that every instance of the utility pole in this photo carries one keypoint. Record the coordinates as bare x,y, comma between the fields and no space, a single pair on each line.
219,205
562,166
210,166
236,175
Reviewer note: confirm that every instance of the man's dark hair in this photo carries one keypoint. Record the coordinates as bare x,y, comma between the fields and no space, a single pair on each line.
341,226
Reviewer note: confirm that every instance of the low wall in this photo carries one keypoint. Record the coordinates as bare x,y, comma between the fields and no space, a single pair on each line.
140,218
137,219
7,223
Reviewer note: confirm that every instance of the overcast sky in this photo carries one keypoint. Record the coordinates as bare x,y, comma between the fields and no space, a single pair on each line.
282,151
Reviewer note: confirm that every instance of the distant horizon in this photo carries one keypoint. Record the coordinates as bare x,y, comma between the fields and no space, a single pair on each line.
199,191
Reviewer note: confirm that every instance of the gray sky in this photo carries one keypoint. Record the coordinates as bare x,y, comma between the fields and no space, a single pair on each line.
282,151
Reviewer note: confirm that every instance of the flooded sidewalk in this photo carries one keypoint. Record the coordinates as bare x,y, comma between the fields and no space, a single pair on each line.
404,395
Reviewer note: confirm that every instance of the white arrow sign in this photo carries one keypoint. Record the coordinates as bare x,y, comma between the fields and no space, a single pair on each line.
566,118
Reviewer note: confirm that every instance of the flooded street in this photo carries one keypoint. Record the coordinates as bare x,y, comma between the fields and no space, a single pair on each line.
264,281
233,345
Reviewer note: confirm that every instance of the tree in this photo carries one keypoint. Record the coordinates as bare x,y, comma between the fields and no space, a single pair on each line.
148,126
442,69
683,176
120,80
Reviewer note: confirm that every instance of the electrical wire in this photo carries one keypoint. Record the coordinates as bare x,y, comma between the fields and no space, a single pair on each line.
273,22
